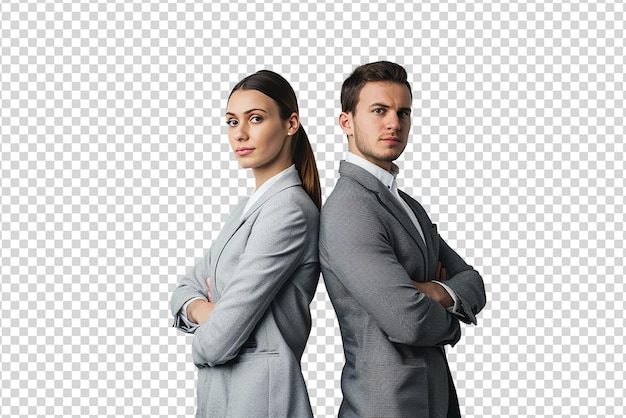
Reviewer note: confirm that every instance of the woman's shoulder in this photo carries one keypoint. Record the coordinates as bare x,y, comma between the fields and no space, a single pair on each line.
292,198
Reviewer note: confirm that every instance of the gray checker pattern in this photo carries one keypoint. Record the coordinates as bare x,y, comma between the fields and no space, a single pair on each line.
115,176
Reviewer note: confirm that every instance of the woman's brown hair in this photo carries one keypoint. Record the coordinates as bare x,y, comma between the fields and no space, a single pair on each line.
278,89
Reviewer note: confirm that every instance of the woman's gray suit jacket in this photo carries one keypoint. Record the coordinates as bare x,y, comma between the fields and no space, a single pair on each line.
264,270
393,335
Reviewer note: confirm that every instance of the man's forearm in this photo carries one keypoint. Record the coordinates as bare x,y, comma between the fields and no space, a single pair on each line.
435,291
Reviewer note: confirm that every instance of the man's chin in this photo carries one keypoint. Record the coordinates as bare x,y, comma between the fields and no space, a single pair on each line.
390,156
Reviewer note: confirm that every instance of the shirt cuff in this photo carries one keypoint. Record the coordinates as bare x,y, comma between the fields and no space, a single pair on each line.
456,308
185,323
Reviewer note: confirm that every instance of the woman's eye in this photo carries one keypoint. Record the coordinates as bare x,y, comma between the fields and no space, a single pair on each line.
256,119
232,122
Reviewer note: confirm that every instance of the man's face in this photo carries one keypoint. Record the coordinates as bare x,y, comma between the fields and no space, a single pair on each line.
378,130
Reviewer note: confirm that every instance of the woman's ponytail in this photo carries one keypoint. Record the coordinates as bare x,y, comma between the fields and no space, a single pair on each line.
304,159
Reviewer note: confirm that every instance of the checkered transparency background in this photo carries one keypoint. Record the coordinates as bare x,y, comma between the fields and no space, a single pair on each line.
116,176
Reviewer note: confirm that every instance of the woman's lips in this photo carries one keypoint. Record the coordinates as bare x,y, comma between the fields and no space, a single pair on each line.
244,151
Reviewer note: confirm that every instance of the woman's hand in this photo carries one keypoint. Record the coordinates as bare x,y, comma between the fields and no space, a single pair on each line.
199,311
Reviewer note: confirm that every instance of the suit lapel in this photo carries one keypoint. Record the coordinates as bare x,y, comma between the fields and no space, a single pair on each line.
235,221
395,208
387,200
288,180
422,218
231,226
430,231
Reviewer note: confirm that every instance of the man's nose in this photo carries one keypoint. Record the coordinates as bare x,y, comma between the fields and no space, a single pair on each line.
393,121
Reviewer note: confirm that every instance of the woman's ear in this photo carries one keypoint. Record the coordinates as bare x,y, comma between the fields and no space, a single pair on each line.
293,124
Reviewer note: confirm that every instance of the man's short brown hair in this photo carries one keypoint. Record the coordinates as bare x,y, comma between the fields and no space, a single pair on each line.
374,71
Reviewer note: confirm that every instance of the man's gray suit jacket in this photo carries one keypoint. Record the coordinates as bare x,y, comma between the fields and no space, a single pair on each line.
264,270
393,335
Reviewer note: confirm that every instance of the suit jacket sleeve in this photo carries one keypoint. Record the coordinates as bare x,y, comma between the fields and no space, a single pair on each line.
357,250
464,280
273,252
192,285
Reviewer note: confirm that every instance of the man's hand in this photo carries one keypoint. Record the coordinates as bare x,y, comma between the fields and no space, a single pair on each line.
200,310
441,274
435,290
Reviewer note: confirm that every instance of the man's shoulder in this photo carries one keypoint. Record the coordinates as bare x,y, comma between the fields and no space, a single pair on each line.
349,202
347,191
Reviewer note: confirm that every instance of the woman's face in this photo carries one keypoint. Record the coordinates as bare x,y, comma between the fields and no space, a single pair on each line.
257,134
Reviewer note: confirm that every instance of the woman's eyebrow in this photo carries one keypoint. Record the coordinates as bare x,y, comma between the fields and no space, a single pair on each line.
256,109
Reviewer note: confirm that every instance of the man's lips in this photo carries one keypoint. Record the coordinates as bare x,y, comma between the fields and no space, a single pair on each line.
244,151
392,139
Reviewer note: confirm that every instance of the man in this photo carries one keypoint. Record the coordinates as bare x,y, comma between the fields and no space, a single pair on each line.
398,289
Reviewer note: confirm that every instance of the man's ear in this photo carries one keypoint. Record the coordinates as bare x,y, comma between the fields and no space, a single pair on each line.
345,122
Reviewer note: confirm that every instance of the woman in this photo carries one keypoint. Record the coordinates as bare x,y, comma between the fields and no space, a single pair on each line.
248,301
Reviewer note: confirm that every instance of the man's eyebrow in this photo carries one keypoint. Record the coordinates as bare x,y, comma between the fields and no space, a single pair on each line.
386,106
247,112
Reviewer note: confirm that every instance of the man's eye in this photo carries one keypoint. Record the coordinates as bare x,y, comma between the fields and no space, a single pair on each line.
379,111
